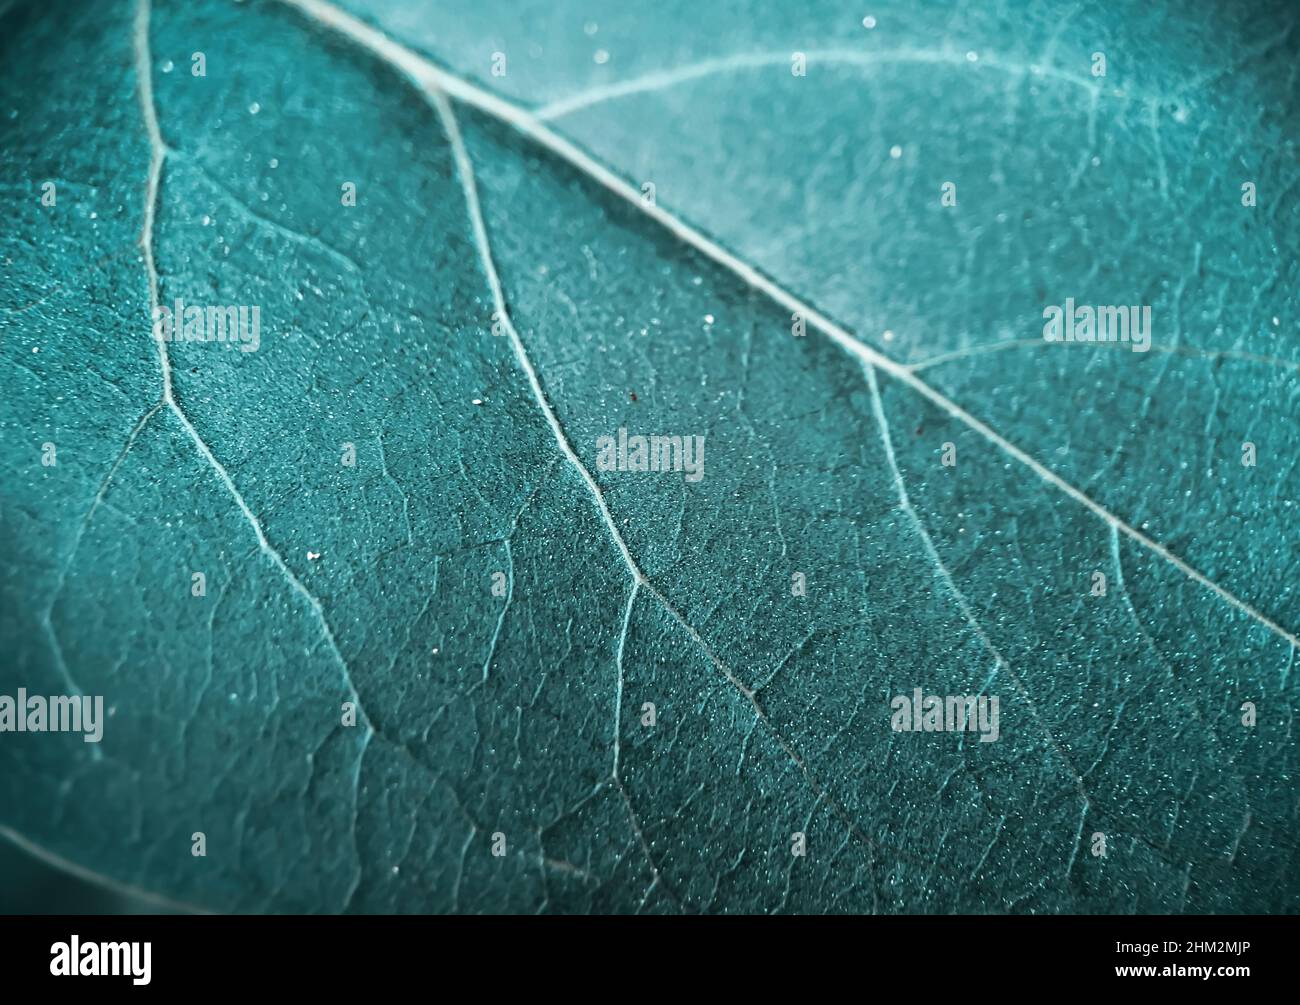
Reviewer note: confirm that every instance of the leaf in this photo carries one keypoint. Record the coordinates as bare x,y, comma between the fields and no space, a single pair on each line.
517,716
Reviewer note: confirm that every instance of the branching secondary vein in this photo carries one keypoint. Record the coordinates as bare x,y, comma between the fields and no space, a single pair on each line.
157,155
928,543
466,172
867,59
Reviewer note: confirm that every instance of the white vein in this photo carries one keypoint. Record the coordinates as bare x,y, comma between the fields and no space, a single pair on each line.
433,79
90,876
469,186
470,189
905,503
157,155
618,690
656,877
663,79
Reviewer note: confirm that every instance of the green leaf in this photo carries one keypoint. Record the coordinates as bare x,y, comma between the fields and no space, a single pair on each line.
501,296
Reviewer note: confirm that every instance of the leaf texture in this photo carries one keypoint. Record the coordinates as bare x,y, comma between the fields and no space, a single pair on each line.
500,297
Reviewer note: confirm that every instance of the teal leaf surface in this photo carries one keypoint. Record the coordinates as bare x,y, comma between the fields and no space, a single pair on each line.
587,690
